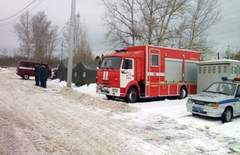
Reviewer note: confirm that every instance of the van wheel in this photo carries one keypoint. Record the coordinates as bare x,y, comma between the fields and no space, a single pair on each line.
183,93
132,96
26,76
227,115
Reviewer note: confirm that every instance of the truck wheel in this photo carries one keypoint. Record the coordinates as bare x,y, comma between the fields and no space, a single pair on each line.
26,76
183,93
132,96
227,115
109,97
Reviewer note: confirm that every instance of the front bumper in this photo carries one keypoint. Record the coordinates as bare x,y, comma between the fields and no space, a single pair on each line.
205,110
111,91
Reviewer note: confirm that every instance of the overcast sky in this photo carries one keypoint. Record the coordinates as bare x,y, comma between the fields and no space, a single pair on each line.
227,32
58,12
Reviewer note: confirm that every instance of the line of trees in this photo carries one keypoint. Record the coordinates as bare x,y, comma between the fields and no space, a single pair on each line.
171,23
39,38
12,61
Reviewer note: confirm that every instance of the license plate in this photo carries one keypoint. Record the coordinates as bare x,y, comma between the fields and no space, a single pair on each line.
197,109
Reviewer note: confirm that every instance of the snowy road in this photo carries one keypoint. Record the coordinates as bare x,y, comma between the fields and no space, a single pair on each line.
57,121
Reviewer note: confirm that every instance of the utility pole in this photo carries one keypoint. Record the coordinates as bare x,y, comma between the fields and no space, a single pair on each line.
61,50
70,53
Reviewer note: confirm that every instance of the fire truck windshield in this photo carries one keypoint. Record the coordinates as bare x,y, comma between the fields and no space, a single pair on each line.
111,62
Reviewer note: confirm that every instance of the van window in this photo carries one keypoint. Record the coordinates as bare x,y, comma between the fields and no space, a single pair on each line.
27,64
34,64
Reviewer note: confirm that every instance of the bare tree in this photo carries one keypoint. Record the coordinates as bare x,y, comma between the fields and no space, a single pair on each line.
37,37
200,17
4,52
23,30
77,35
159,18
148,21
121,19
82,49
174,23
44,37
52,42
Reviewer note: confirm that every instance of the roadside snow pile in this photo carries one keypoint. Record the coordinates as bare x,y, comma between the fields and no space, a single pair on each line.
92,101
3,68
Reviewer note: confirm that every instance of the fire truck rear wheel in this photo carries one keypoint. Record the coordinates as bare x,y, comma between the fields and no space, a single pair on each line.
132,95
183,93
26,76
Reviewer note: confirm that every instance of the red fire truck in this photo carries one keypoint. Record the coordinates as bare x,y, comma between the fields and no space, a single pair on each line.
147,71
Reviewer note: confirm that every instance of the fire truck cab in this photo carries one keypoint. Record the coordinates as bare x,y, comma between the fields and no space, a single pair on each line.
147,71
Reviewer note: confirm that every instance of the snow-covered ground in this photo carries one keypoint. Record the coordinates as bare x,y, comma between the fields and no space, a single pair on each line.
76,120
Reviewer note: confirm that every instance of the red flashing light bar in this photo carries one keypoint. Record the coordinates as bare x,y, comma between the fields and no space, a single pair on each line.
224,78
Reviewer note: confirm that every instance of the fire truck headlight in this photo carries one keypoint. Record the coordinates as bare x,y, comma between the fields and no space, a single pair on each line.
114,90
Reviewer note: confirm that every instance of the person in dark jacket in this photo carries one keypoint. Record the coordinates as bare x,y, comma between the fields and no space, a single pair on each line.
36,74
44,76
40,74
99,60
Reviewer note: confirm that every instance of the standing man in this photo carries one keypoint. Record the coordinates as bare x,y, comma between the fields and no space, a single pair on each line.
40,74
44,76
36,74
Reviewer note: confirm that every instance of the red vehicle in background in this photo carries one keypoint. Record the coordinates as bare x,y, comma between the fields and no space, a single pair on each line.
146,72
26,68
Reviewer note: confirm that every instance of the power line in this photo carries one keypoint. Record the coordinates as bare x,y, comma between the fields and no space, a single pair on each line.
225,24
231,13
36,5
226,32
232,36
225,37
14,20
17,12
231,8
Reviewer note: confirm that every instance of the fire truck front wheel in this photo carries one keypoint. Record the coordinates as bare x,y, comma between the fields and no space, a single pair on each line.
183,93
109,97
132,95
